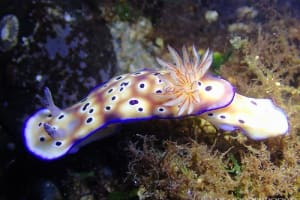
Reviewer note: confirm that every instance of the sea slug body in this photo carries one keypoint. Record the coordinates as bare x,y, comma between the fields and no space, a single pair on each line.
257,118
182,88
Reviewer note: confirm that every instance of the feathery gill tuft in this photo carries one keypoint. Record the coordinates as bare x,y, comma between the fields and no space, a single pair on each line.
183,85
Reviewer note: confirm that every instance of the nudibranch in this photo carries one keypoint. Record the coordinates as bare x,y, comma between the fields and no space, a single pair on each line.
182,88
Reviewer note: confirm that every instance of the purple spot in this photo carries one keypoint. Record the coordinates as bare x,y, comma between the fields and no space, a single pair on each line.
107,108
158,91
222,117
91,110
142,85
140,109
241,121
61,116
121,89
253,102
113,98
85,106
58,143
210,114
124,83
133,102
157,73
40,124
89,120
42,139
118,78
208,88
161,109
110,90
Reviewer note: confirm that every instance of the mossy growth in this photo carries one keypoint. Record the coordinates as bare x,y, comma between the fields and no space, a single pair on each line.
215,164
194,170
186,171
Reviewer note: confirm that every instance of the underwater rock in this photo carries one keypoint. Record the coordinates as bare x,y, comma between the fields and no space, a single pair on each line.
133,50
68,52
9,29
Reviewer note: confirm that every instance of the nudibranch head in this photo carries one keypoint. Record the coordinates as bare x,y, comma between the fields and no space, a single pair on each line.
190,87
43,145
44,139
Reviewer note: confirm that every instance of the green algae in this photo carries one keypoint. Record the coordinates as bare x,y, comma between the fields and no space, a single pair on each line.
219,59
236,167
